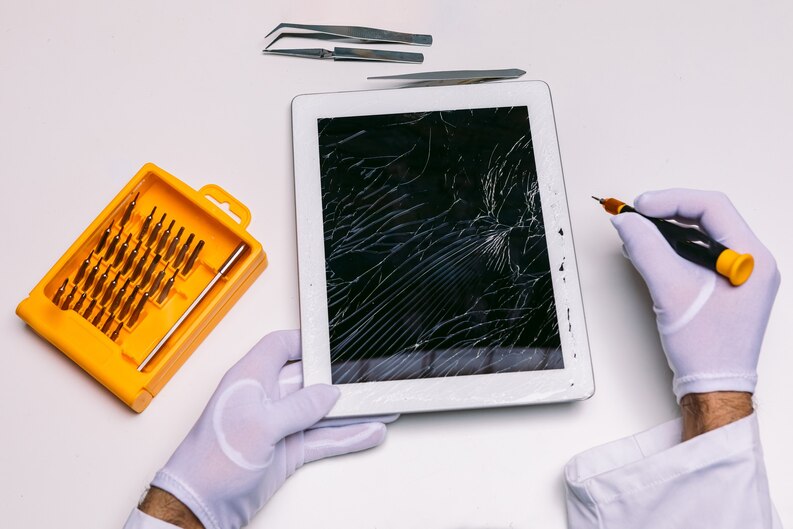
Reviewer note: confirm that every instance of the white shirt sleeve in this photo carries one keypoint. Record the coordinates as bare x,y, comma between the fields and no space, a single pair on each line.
654,481
140,520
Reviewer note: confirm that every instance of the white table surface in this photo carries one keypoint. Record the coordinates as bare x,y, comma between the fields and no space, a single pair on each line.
676,93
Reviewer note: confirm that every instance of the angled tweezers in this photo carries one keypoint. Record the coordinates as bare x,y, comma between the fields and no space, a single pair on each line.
358,34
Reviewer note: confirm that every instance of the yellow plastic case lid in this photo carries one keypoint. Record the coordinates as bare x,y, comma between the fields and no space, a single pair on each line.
127,281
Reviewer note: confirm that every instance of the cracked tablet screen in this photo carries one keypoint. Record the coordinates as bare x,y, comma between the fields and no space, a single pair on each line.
435,251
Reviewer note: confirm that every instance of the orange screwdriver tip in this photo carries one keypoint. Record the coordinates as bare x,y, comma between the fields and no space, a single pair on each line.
598,199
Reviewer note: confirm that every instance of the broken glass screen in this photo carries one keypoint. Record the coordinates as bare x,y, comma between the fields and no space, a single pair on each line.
435,253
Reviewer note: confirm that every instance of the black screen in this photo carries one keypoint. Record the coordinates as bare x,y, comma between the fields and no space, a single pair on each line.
436,257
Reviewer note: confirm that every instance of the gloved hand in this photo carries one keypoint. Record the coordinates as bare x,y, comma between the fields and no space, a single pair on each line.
254,433
710,330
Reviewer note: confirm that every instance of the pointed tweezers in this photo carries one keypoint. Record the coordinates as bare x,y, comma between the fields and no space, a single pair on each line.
351,54
359,34
455,75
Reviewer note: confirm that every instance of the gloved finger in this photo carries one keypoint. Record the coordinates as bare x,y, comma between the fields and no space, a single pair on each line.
329,442
711,210
344,421
290,378
651,254
301,410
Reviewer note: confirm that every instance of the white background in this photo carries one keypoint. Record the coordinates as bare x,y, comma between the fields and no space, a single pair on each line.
675,93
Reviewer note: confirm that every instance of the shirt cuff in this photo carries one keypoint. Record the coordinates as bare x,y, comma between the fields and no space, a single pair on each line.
620,482
140,520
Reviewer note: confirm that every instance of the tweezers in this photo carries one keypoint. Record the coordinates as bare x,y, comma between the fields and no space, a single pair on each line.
351,54
350,34
455,75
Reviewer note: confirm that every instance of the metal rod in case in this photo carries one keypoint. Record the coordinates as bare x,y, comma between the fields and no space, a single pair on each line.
222,271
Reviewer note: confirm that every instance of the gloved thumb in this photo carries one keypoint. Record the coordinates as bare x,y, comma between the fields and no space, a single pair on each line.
650,253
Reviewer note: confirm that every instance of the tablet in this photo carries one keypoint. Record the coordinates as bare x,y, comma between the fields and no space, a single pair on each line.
436,261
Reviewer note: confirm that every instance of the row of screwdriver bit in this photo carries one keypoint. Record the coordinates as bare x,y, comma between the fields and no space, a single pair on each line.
134,271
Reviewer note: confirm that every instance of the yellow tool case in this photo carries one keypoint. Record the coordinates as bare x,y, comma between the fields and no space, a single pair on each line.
143,285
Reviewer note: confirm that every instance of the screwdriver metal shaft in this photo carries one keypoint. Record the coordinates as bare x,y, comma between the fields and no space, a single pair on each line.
222,271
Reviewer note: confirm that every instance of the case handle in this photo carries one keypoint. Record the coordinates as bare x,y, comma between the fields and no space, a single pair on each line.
227,203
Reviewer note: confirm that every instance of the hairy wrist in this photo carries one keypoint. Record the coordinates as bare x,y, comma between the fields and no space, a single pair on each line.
165,506
703,412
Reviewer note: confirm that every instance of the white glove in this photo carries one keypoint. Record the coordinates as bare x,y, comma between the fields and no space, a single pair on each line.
254,434
710,330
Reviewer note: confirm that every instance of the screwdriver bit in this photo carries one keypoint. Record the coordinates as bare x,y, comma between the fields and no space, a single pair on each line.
90,309
91,276
167,288
174,243
146,224
128,303
139,267
79,304
109,290
59,293
155,231
98,317
138,308
121,252
104,237
101,283
183,251
69,298
83,268
128,212
119,296
114,336
192,259
112,246
131,259
157,282
164,238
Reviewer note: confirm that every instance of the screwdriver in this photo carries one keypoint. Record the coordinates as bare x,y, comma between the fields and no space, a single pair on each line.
222,271
692,244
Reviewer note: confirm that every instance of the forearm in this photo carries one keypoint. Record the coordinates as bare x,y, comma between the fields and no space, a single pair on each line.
166,507
703,412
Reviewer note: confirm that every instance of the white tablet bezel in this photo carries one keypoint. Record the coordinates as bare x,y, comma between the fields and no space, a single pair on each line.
574,381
